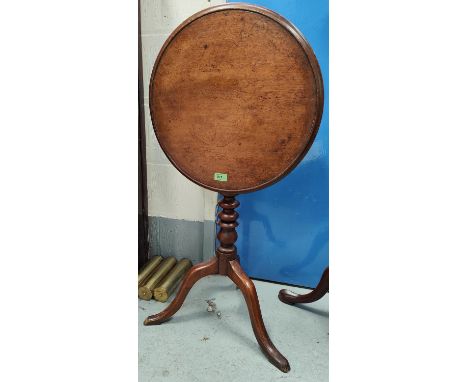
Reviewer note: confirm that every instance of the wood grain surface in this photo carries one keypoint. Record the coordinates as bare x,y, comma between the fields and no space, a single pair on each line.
236,90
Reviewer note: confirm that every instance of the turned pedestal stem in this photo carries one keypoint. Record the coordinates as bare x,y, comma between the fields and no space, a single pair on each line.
227,234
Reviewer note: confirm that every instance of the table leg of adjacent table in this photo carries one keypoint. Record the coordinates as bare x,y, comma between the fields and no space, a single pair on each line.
289,297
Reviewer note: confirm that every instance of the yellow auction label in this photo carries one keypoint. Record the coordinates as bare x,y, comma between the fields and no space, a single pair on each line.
220,177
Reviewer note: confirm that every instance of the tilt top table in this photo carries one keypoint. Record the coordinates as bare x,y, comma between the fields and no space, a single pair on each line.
236,98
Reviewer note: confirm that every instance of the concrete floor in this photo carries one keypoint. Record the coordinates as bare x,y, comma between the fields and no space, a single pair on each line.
197,346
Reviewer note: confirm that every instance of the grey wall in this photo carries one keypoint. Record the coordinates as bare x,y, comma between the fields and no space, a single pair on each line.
181,238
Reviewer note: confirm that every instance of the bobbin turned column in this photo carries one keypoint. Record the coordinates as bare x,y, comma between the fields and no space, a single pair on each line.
227,234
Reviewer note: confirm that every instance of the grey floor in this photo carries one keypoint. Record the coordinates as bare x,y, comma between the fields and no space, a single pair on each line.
196,345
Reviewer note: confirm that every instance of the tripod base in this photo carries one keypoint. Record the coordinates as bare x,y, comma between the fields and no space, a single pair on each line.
223,265
291,298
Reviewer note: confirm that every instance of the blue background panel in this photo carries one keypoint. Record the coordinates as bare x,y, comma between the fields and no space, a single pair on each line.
283,231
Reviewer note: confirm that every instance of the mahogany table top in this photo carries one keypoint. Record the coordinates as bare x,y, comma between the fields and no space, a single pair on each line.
236,98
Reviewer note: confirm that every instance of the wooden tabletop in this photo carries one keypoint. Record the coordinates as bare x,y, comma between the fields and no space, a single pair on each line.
236,98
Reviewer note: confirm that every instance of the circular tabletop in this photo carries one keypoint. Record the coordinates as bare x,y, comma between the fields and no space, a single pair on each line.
236,98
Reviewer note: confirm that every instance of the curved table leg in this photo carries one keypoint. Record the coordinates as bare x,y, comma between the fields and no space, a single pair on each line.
237,275
194,274
289,297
